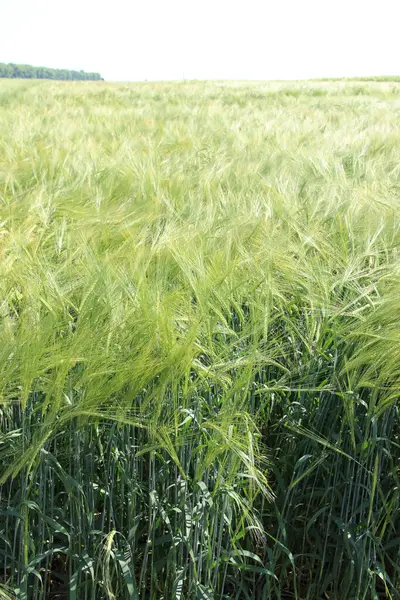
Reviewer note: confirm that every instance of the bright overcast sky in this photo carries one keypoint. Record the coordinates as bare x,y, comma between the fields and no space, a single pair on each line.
204,39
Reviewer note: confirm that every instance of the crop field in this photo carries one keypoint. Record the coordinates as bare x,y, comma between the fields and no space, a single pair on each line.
199,340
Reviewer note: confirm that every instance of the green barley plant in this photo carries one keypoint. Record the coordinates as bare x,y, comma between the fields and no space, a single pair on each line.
200,351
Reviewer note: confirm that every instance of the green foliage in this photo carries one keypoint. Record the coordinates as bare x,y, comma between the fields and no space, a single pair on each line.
14,71
199,358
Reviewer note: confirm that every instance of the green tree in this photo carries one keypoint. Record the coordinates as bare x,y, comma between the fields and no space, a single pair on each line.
12,70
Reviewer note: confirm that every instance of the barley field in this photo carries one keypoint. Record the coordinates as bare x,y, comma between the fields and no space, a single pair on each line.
199,340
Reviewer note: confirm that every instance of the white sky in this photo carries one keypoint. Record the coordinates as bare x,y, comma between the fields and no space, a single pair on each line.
204,39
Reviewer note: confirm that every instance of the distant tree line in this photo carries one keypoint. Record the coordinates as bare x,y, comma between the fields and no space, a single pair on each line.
14,71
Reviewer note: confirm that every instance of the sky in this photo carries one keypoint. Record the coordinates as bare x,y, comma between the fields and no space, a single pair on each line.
132,40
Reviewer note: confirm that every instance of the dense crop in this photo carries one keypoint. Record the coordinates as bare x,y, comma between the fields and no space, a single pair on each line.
199,340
